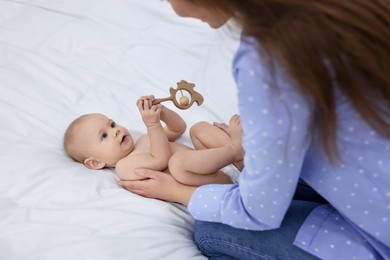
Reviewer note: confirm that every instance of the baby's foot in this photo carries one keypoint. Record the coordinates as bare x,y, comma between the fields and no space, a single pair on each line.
235,130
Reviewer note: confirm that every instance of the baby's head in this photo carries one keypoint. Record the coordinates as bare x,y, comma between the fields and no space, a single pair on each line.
97,141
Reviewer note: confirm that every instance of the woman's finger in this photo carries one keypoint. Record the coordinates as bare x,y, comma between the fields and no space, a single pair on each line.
137,186
146,173
224,127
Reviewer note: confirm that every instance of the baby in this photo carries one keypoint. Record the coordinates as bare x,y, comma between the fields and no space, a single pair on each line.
98,142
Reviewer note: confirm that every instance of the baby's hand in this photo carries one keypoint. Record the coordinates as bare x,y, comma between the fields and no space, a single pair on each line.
150,113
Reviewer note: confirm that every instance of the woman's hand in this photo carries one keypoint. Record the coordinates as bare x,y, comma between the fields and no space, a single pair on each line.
224,127
159,185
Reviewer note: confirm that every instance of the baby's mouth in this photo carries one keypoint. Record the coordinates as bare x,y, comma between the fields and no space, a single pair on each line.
123,139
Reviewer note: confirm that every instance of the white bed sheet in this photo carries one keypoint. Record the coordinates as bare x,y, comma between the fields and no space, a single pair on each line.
63,58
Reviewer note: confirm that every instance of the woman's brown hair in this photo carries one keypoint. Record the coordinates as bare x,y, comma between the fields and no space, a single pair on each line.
321,42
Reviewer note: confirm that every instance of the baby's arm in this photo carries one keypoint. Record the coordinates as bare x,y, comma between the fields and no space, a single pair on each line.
159,151
126,166
175,125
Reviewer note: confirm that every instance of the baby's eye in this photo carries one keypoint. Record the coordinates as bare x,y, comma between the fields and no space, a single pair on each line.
113,124
104,136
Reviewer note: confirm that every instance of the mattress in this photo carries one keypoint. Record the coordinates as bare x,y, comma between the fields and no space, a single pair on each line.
63,58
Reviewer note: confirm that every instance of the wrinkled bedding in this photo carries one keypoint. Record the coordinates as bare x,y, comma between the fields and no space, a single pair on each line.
63,58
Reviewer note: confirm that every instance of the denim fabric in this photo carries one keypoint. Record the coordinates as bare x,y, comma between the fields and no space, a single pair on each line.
222,242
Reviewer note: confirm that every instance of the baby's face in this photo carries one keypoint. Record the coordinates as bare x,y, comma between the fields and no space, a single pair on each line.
104,140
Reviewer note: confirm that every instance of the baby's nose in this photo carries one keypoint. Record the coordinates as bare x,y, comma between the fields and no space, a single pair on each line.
116,132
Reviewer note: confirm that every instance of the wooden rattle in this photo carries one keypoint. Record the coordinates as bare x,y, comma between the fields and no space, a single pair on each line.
184,102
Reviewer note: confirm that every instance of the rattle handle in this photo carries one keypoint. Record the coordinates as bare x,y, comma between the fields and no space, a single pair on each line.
159,100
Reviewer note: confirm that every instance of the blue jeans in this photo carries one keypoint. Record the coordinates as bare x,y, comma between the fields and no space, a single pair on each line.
220,241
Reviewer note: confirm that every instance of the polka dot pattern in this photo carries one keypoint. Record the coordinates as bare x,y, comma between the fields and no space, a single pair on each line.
280,150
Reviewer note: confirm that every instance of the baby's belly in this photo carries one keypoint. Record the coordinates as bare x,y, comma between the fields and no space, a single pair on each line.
176,147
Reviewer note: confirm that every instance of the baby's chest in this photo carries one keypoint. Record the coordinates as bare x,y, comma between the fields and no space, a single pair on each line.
144,147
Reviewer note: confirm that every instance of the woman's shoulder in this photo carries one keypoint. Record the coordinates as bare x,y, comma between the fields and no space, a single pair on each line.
248,46
249,51
251,56
252,59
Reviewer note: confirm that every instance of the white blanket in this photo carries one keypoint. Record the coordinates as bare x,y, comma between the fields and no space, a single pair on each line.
63,58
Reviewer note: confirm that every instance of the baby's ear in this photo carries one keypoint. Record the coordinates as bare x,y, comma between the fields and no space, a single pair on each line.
93,163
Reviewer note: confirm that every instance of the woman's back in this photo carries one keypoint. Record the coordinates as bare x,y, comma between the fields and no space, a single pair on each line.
357,185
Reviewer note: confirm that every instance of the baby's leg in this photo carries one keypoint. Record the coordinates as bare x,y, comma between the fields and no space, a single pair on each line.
217,150
199,167
206,136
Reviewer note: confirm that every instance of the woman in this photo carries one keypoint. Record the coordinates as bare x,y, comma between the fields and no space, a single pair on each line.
314,97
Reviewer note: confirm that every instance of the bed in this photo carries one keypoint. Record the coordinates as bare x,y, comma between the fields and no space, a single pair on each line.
63,58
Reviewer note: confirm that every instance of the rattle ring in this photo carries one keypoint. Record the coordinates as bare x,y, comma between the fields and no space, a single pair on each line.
184,102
